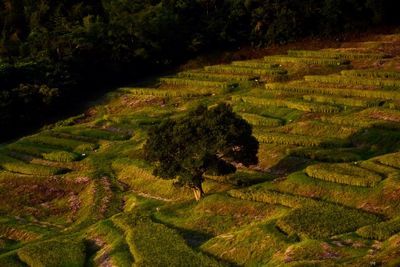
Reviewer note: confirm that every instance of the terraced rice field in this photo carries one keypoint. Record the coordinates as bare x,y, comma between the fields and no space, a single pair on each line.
326,191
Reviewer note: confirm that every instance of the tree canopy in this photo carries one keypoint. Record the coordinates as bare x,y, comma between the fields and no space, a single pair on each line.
208,140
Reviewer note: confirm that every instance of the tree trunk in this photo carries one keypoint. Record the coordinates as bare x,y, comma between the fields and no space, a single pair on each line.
198,192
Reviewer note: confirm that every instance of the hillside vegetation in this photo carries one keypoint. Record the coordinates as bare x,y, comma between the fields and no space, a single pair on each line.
324,193
53,53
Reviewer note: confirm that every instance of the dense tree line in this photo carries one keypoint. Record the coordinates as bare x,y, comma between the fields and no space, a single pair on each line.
54,51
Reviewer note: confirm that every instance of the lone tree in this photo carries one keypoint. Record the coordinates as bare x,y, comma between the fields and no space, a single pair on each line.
206,140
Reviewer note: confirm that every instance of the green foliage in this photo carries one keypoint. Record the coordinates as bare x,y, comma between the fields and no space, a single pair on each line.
324,220
344,173
54,252
204,140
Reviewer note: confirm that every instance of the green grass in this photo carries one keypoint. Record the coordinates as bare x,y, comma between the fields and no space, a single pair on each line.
309,88
307,60
326,155
94,133
352,80
290,103
344,173
18,166
330,53
44,152
11,260
346,101
253,245
326,185
213,76
260,193
371,73
380,231
297,139
218,214
63,143
55,252
324,220
196,83
114,247
392,160
154,244
258,120
175,92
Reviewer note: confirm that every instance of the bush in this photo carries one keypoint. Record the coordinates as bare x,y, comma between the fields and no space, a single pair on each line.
344,173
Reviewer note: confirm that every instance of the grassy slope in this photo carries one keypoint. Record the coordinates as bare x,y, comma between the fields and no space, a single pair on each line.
325,192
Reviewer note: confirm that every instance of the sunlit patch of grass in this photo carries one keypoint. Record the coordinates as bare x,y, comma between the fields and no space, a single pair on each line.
61,252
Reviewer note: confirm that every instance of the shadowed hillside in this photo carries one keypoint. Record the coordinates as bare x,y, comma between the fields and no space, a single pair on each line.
324,193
